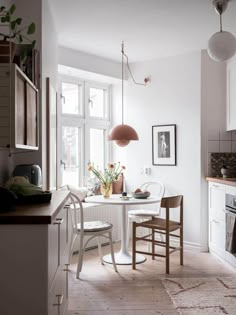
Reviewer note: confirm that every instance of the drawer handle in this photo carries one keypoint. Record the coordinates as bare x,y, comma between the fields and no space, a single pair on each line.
58,221
60,299
67,267
214,220
214,185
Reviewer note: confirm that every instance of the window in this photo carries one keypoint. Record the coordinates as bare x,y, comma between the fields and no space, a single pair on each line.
72,98
84,124
98,102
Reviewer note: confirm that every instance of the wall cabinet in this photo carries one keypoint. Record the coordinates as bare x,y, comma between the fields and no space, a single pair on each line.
34,264
19,110
231,95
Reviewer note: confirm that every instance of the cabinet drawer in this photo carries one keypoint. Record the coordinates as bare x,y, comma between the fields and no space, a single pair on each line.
216,201
217,236
57,243
57,299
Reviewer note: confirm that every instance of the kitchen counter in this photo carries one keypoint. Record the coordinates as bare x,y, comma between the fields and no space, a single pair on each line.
221,180
43,213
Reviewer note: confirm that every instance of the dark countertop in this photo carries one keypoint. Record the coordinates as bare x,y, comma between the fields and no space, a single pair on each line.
221,180
43,213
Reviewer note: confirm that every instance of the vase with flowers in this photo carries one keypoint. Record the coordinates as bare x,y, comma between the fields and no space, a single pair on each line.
107,177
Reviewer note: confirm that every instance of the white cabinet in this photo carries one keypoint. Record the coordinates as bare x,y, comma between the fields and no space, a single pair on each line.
19,112
34,261
231,95
217,219
59,253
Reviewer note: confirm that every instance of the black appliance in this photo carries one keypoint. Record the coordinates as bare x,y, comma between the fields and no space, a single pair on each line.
230,203
31,171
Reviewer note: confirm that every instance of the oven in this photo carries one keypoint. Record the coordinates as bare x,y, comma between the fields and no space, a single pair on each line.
230,203
230,224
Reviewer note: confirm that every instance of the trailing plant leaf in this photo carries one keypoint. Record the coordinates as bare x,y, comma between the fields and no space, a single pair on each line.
18,21
17,34
31,29
13,25
12,9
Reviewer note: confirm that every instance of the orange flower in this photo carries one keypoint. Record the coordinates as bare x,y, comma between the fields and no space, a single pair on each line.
90,168
123,167
111,166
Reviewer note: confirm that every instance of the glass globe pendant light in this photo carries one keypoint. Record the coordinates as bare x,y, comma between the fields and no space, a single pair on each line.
123,134
222,44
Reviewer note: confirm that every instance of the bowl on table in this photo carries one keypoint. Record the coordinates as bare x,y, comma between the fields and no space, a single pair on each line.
141,195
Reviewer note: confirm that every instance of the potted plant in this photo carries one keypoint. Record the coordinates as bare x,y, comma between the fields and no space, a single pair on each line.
15,33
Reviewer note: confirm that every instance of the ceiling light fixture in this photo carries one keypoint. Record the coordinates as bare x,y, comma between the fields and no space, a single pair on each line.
222,44
123,134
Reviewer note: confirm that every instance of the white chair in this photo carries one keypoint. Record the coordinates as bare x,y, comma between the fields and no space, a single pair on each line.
91,229
147,212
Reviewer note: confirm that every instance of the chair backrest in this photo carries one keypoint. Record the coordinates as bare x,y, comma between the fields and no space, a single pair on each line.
171,203
77,213
156,188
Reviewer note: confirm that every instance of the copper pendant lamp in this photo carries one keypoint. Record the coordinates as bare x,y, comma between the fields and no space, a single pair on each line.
123,134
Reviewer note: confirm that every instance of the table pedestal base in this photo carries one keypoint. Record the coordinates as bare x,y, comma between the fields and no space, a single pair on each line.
124,258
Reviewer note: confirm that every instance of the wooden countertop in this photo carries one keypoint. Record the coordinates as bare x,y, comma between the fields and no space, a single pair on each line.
221,180
43,213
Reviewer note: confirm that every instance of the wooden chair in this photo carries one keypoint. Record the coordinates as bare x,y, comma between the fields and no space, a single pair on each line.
147,212
91,229
165,227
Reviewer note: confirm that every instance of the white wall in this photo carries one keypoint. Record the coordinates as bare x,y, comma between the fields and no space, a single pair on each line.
88,62
49,69
172,97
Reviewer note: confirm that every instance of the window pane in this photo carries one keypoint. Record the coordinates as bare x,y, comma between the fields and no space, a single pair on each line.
97,102
70,155
71,103
97,145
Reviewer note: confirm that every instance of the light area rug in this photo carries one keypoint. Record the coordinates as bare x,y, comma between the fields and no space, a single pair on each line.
202,296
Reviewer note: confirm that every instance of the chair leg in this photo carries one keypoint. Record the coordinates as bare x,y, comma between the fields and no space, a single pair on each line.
80,258
153,244
80,262
134,246
167,253
100,249
181,248
112,252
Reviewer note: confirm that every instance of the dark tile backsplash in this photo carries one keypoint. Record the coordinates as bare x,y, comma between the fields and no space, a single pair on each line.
220,159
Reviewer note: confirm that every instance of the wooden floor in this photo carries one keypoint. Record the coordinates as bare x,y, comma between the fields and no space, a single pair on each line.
102,291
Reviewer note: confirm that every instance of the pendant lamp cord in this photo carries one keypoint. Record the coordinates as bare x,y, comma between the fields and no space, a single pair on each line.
220,22
122,88
146,80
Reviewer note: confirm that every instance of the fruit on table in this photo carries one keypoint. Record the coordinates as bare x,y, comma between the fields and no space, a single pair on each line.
138,190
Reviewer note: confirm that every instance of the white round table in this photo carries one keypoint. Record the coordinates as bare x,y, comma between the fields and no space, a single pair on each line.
123,257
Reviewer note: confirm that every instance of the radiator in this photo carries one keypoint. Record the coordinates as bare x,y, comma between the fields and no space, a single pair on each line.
107,213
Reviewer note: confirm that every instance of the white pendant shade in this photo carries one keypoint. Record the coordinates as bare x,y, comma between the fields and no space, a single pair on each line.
222,46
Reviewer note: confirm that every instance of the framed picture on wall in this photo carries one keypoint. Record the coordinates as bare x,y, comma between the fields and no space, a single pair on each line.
164,145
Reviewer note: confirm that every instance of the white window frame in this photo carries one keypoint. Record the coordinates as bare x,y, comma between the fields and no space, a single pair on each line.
85,122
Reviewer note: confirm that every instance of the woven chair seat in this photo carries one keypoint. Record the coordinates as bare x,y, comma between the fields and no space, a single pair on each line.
160,224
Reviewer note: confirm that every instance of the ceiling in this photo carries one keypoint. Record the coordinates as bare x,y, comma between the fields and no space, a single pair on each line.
150,29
